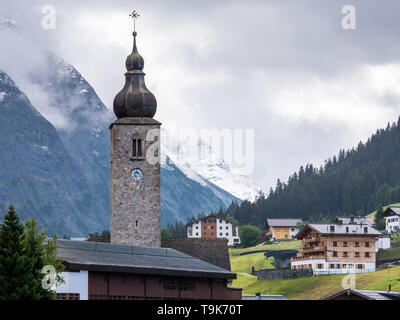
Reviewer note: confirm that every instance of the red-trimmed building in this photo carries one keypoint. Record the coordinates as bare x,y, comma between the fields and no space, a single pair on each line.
214,226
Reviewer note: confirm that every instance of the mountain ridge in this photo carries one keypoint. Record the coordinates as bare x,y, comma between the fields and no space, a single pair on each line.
355,182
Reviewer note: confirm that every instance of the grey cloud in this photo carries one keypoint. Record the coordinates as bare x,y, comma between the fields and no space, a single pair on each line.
286,42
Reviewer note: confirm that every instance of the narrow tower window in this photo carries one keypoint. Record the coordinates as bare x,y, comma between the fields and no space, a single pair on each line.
134,150
137,148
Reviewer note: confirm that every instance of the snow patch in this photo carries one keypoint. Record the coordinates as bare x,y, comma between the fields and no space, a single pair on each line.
2,95
45,148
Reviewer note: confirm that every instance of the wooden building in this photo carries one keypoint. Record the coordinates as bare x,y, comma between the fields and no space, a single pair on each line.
336,248
105,271
279,229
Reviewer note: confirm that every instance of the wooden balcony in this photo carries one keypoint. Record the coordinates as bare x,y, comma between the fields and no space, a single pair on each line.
312,249
308,240
313,257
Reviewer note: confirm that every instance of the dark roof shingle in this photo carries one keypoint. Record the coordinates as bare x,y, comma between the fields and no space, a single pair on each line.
99,256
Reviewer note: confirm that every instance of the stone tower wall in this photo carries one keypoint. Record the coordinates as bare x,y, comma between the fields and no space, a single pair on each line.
135,205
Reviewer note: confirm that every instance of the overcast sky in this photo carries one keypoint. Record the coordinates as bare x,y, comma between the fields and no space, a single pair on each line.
286,69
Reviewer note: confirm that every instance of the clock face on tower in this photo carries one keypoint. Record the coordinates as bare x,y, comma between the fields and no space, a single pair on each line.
137,174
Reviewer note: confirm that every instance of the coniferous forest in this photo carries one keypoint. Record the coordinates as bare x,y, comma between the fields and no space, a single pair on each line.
355,182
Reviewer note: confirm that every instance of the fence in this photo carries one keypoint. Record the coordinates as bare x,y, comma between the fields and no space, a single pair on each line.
271,274
344,271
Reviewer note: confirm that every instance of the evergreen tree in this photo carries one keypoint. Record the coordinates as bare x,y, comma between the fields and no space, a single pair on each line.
16,279
24,251
380,222
165,234
249,236
355,182
41,252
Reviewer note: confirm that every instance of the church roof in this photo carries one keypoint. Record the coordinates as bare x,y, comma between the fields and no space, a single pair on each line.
135,100
107,257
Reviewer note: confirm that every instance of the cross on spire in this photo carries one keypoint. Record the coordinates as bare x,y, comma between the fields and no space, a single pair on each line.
134,15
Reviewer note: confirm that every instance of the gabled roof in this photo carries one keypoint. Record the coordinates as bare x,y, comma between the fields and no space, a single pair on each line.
368,294
282,222
339,229
208,217
392,210
100,256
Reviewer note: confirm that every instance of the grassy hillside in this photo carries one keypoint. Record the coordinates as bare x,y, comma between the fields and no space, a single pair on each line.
317,287
282,245
372,214
306,288
242,264
391,253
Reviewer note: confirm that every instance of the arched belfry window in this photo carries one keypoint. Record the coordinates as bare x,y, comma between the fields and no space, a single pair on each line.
137,148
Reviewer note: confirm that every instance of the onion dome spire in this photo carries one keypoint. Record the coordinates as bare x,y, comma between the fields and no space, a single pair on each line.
134,100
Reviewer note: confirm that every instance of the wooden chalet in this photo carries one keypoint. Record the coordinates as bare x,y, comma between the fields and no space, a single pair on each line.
336,248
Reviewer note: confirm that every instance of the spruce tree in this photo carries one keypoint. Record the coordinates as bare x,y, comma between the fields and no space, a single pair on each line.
36,249
16,279
24,251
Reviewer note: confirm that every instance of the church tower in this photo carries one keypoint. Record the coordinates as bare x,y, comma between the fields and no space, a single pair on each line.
135,161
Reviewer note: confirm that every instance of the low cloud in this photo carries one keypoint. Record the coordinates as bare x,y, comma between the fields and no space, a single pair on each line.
284,68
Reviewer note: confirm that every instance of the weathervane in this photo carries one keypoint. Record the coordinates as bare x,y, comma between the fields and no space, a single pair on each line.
134,15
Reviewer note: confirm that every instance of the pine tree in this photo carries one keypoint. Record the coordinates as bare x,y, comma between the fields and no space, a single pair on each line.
41,252
380,222
24,251
16,279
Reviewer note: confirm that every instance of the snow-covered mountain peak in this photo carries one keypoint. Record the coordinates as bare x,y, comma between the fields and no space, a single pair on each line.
196,158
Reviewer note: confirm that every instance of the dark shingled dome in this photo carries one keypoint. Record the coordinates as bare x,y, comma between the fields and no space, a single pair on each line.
135,100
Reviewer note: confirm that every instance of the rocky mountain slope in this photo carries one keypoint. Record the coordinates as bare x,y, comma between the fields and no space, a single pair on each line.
37,174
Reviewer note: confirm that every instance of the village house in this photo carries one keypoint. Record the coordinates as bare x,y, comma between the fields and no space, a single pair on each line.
279,229
336,248
392,217
213,226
